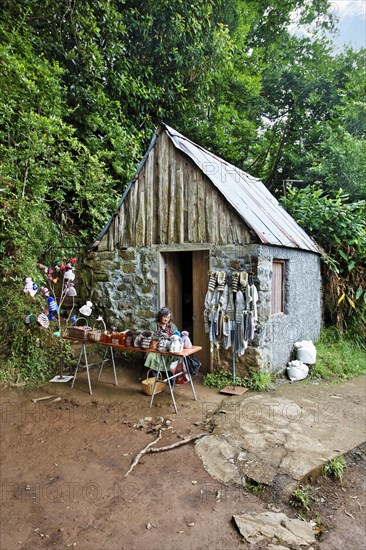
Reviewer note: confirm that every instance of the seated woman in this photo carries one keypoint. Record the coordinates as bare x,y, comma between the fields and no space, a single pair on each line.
162,326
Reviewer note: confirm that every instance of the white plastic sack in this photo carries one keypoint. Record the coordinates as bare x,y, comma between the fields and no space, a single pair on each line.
306,352
296,370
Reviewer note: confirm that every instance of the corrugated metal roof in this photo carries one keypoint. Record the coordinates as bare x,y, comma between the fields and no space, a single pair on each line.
258,208
250,198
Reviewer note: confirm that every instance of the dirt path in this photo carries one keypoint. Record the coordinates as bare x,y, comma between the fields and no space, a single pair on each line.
63,480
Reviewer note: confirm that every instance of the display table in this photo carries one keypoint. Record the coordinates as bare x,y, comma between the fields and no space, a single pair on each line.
169,376
83,362
108,356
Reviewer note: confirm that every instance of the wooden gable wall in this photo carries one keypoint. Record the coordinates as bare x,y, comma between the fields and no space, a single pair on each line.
173,202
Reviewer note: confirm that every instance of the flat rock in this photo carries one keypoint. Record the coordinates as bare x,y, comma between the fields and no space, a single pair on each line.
255,527
283,437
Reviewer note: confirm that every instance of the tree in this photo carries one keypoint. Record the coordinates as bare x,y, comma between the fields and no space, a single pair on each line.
339,226
308,126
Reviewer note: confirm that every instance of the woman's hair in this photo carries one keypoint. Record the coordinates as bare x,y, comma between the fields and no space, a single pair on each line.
162,313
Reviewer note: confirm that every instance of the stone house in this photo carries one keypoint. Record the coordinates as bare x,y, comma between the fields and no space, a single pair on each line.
186,212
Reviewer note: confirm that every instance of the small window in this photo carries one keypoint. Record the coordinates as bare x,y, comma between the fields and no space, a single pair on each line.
278,287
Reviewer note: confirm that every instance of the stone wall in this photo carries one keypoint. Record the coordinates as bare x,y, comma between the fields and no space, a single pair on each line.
122,285
302,317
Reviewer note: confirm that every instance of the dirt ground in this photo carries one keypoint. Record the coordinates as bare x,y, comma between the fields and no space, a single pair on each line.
64,483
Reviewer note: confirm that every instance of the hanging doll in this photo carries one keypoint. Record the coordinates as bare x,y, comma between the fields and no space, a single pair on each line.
52,305
43,320
86,309
30,287
70,289
69,274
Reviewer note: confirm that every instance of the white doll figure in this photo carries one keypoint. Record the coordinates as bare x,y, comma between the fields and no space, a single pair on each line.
45,291
176,344
70,289
30,287
69,274
43,320
86,309
186,341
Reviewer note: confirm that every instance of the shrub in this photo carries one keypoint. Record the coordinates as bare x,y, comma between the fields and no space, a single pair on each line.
302,497
334,468
220,379
258,381
338,225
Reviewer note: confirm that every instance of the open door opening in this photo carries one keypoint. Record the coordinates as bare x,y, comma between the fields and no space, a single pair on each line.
183,285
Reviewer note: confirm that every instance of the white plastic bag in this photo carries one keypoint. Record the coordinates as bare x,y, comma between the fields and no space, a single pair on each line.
306,352
296,370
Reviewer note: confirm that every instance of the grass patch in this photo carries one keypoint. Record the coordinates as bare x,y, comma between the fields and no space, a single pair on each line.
337,357
302,497
334,468
220,379
256,380
255,488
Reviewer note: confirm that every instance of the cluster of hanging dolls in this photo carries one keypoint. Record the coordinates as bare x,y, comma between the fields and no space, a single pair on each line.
231,310
50,309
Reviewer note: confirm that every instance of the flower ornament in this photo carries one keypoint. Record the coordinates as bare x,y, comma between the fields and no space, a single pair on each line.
50,275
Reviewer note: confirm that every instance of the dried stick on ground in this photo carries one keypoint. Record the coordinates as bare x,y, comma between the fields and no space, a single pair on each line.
142,452
177,444
147,449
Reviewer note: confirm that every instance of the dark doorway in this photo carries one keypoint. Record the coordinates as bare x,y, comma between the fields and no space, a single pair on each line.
187,292
184,287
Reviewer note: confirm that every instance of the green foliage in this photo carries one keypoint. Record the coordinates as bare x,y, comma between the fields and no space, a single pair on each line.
220,379
33,358
302,497
29,353
334,468
217,379
312,122
339,226
316,211
258,381
255,488
45,170
338,358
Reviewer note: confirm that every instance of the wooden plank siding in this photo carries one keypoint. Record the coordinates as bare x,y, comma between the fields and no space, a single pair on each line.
278,287
172,201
